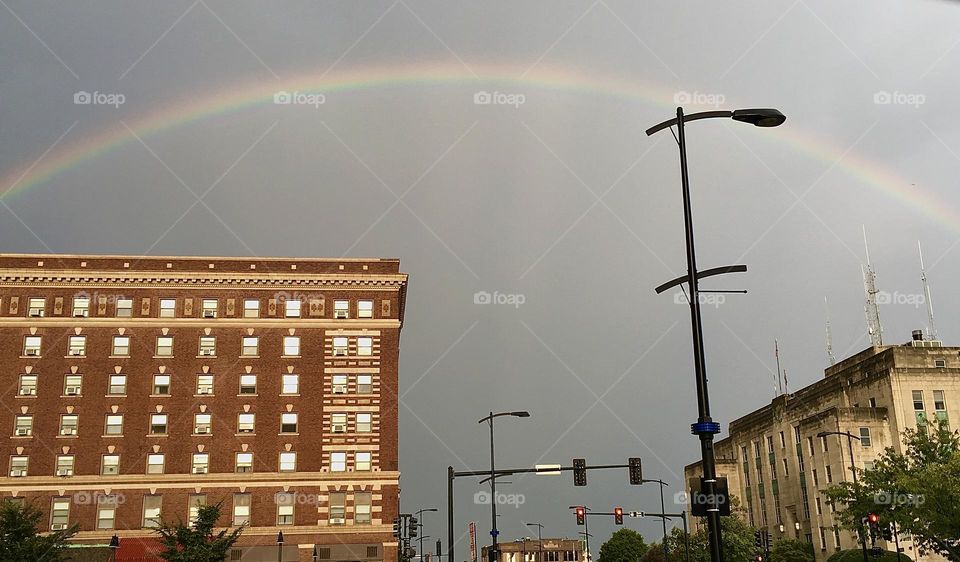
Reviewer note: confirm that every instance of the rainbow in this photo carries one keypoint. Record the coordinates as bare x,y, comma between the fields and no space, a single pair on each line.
64,157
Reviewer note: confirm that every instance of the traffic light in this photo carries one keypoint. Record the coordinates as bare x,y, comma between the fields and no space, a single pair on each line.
579,472
887,531
396,527
769,541
439,550
758,539
636,471
581,515
618,515
414,528
759,558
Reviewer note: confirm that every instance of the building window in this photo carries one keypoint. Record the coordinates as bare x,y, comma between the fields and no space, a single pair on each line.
241,509
783,441
819,506
59,514
918,400
124,308
23,426
361,508
114,424
31,345
865,436
341,309
18,465
365,309
69,424
824,444
810,446
769,444
118,385
364,422
77,346
204,384
362,461
121,346
364,384
81,307
246,423
201,424
339,384
364,346
168,308
940,404
823,539
829,474
36,307
208,346
208,308
28,385
158,424
340,346
251,308
151,511
72,385
292,308
106,511
288,461
288,422
200,463
338,462
338,423
836,538
251,346
873,402
194,503
290,384
164,346
816,478
244,462
338,508
64,465
248,384
155,463
291,346
161,385
285,502
869,465
786,468
109,465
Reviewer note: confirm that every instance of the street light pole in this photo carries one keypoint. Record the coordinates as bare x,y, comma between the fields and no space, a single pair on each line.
586,528
705,428
666,554
539,527
853,469
494,554
420,513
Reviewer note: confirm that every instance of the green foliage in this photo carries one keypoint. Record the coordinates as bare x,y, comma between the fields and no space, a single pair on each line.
792,550
625,545
197,542
854,555
918,489
20,539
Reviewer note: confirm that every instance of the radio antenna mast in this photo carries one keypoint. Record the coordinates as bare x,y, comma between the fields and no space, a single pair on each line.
870,308
830,356
931,326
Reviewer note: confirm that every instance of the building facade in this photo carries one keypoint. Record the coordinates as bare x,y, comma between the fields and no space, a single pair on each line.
533,550
136,389
777,466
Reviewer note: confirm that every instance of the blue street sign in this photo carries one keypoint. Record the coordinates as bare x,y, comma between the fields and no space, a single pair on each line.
494,533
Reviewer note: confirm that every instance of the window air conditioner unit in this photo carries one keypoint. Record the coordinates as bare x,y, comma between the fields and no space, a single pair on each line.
337,520
28,391
206,352
32,352
17,473
58,526
76,352
64,472
73,390
339,352
339,389
23,431
209,314
35,314
200,470
340,314
339,428
203,430
203,391
68,431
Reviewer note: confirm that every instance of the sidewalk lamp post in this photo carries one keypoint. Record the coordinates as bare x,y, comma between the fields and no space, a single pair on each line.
280,546
586,529
420,513
853,468
539,527
114,547
705,428
494,555
666,554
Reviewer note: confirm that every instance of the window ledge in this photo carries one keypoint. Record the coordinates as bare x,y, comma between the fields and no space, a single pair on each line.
249,356
21,436
74,436
158,435
206,356
127,356
31,356
291,356
106,436
26,395
74,356
251,434
71,396
201,435
294,434
210,394
254,395
289,394
114,395
159,396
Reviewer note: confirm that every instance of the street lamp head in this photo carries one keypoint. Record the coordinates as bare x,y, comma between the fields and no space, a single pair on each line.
823,434
523,414
760,117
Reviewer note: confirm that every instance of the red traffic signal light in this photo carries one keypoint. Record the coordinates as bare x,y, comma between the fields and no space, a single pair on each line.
618,515
873,518
581,515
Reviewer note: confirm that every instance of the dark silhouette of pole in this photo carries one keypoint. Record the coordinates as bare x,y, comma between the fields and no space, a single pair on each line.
539,527
853,469
494,553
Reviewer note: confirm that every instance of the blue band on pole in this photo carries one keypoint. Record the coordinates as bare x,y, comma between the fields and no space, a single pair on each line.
705,428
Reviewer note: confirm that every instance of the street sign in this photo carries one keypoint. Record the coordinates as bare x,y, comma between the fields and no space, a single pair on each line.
494,532
636,514
547,468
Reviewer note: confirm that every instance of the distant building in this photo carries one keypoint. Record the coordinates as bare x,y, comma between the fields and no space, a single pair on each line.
139,388
777,466
530,550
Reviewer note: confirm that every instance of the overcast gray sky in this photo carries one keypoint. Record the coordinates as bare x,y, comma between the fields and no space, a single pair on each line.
550,195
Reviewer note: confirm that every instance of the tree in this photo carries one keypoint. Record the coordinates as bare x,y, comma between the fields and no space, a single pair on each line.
856,555
197,542
19,536
625,545
792,550
918,490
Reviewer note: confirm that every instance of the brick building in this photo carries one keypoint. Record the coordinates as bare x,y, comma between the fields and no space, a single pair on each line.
778,465
533,550
138,388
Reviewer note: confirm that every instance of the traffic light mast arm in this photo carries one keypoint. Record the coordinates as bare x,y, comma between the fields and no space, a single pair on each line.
510,471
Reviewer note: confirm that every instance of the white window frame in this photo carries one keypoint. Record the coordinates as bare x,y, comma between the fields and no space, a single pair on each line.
207,346
164,343
77,346
201,421
290,384
151,463
118,348
291,346
341,309
124,308
250,346
245,382
117,425
365,426
285,419
32,346
160,380
204,384
209,308
292,308
81,307
287,461
36,307
365,346
110,465
363,461
251,311
364,309
27,385
168,308
157,420
244,460
338,461
247,422
200,463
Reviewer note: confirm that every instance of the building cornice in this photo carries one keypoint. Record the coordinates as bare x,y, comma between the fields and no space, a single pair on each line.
140,279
